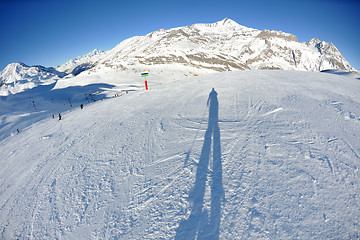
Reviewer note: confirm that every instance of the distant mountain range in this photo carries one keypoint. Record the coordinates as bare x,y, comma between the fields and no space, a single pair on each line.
17,77
206,48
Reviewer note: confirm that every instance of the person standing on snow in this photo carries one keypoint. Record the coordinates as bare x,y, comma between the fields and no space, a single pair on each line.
59,116
81,106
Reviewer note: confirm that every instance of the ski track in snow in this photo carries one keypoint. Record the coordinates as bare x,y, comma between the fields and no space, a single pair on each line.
146,165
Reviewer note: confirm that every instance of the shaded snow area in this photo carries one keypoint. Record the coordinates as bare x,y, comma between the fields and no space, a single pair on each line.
235,155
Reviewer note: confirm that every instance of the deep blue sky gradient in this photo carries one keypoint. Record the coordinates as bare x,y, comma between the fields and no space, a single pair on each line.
51,32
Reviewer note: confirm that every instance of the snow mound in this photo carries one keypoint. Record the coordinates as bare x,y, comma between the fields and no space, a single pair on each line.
353,74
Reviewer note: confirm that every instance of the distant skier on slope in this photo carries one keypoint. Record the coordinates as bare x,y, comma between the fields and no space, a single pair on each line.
81,106
59,116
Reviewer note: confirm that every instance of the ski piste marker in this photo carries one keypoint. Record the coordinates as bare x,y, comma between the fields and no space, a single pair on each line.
145,73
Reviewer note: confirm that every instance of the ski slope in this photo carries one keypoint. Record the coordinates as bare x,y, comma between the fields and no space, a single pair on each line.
235,155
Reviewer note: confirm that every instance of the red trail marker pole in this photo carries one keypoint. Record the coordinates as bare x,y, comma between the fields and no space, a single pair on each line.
145,73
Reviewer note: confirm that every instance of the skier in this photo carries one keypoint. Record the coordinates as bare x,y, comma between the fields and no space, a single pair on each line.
59,116
18,130
81,106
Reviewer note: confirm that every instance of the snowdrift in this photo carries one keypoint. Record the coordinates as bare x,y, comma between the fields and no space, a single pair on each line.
235,155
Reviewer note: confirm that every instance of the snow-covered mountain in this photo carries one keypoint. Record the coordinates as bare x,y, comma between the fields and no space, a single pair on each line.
196,49
81,63
221,46
17,76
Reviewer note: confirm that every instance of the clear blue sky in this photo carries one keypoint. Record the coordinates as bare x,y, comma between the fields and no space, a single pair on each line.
51,32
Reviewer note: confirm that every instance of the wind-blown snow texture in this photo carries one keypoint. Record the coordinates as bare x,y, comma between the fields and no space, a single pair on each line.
236,155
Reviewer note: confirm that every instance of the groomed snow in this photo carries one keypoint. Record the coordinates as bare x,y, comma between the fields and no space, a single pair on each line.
235,155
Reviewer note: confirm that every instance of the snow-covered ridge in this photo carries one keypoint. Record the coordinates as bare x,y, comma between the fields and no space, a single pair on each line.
86,61
18,76
225,24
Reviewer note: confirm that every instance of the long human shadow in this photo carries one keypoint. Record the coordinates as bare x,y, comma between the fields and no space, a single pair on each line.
201,224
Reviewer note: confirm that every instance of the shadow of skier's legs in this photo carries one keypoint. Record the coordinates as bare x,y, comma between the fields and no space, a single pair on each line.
198,225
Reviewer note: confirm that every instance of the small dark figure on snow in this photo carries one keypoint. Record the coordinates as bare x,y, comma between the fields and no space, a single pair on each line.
81,106
18,130
53,116
59,116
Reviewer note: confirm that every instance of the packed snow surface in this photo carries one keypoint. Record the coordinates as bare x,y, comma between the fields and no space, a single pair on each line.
235,155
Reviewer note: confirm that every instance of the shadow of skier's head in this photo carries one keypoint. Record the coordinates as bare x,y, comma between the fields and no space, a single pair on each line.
213,107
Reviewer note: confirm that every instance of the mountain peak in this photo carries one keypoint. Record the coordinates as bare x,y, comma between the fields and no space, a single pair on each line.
84,60
227,21
16,64
313,42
